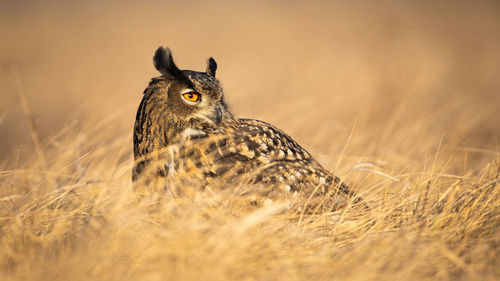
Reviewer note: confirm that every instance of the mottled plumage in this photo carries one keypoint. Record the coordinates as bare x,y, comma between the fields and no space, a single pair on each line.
185,139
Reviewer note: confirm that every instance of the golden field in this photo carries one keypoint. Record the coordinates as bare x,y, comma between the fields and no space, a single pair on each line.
399,99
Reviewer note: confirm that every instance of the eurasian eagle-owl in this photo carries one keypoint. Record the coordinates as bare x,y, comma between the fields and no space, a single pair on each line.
185,138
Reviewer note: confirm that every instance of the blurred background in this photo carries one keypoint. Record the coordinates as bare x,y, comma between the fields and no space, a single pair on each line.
358,78
401,99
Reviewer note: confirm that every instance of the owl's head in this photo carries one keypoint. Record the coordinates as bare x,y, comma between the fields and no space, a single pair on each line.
189,102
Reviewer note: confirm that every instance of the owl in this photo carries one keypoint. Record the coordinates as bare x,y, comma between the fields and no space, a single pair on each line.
186,140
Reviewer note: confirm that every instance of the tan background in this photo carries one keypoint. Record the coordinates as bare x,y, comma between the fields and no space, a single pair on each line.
313,69
399,98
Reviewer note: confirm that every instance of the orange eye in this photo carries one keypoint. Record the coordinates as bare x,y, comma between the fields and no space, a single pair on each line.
192,96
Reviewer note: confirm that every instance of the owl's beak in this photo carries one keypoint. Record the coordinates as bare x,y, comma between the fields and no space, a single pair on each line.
218,115
208,119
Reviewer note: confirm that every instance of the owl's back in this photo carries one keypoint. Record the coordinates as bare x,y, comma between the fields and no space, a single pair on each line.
251,156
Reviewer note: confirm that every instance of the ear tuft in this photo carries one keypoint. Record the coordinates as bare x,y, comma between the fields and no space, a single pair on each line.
211,66
164,62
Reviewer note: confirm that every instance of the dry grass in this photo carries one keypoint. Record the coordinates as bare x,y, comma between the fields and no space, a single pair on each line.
400,100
